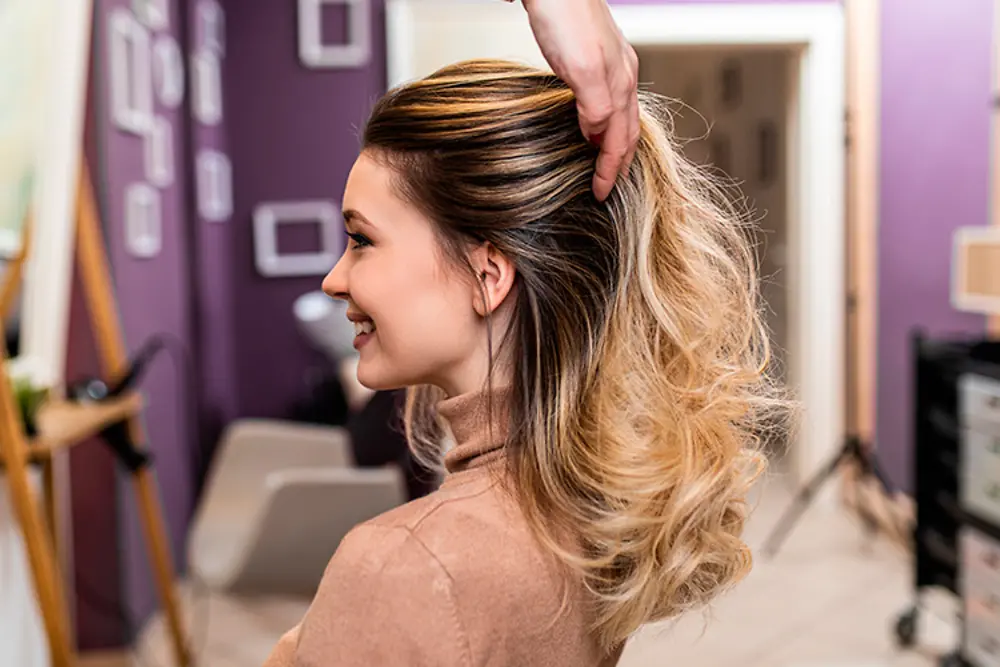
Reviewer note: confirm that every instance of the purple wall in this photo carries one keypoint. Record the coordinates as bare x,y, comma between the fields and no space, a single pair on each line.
293,133
935,130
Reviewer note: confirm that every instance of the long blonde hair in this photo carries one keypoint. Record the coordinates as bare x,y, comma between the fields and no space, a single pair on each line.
639,389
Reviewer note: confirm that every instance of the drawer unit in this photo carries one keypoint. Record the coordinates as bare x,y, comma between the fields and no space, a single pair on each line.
979,399
980,475
956,485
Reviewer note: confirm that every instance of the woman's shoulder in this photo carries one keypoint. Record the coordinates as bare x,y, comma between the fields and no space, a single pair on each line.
475,534
466,565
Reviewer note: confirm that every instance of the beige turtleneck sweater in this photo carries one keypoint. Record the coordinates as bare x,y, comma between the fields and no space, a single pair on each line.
453,579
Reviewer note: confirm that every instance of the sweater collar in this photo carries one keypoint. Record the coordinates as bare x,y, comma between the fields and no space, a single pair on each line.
477,442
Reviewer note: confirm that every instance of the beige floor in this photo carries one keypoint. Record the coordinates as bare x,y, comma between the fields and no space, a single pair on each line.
829,599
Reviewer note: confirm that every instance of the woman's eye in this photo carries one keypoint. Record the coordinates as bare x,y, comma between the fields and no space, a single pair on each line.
360,240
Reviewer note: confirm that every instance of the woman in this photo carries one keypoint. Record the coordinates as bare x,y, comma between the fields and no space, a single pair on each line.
597,366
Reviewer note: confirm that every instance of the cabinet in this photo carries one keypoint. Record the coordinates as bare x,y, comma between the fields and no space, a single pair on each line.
956,440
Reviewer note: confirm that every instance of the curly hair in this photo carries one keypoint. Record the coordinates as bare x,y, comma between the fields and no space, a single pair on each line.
639,389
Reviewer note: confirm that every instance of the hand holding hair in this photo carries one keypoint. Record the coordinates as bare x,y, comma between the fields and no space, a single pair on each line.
586,49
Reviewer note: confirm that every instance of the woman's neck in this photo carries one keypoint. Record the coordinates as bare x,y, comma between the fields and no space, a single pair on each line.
479,423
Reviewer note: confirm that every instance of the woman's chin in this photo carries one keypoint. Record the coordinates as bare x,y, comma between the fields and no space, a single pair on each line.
370,378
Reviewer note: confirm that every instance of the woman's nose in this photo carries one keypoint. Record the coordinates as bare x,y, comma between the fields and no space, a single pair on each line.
335,282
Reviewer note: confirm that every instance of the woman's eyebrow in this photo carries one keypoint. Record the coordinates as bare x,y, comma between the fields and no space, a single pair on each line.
351,215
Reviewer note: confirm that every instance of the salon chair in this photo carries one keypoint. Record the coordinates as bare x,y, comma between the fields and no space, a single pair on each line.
278,499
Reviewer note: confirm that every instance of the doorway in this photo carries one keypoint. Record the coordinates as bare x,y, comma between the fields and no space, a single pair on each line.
732,115
423,35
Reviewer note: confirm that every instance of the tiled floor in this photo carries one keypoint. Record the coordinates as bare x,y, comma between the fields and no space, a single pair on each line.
828,599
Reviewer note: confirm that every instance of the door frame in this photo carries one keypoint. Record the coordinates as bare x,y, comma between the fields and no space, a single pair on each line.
815,33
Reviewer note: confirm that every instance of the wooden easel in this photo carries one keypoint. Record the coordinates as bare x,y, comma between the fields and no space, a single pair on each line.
63,424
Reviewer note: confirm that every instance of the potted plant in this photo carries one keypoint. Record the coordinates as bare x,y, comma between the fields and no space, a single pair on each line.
28,398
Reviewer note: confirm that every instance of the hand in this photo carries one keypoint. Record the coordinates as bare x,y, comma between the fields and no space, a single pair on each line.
585,48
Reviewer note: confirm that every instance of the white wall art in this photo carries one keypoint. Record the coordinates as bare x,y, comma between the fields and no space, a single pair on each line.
159,153
168,71
268,216
154,14
355,52
206,87
210,27
143,235
130,79
214,176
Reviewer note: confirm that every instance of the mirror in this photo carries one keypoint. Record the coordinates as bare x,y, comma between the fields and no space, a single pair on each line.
41,116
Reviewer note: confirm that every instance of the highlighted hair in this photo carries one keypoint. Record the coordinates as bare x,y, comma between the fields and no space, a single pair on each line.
638,352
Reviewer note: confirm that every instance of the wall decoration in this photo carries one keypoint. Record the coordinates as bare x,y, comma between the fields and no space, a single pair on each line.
720,152
269,215
214,181
143,236
130,78
210,27
159,153
731,84
206,87
168,71
767,152
355,52
154,14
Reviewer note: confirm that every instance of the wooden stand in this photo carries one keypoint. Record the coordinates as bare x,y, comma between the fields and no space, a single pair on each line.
61,425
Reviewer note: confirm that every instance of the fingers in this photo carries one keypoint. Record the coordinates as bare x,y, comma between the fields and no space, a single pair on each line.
620,130
614,149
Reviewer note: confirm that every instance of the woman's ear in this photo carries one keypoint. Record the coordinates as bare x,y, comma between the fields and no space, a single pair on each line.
494,278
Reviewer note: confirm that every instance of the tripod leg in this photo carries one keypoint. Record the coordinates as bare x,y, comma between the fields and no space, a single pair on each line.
879,474
798,506
159,552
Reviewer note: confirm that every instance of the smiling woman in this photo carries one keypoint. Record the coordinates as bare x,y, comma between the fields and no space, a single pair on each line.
600,367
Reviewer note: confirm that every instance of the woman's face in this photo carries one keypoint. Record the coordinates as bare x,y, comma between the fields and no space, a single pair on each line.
413,309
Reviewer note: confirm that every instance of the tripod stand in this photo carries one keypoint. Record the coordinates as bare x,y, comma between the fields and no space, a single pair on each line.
853,450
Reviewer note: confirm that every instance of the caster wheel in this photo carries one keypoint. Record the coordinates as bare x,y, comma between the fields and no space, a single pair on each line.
906,631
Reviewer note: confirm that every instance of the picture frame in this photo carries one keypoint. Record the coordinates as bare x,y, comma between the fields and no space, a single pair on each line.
158,152
206,87
975,270
214,183
143,221
268,216
154,14
168,71
354,52
130,78
210,27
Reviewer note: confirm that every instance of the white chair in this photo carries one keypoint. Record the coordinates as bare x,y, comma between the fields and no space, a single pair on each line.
279,498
